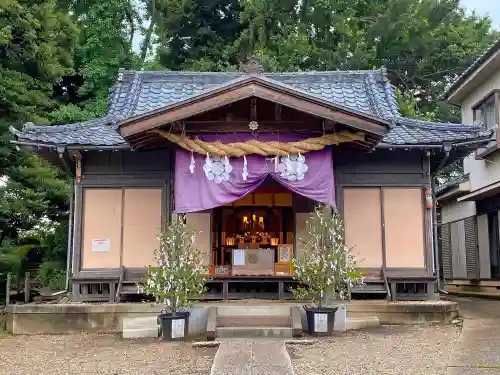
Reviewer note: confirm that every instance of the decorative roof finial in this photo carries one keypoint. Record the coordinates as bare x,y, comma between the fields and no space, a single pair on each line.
252,65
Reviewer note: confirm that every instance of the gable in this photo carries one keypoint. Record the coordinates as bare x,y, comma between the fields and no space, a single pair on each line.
258,87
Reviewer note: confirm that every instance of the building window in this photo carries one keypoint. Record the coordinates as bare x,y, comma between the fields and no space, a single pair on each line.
487,111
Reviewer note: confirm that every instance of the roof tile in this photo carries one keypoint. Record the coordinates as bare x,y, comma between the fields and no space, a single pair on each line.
136,93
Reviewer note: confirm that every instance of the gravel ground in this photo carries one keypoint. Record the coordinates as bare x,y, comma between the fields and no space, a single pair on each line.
84,354
413,350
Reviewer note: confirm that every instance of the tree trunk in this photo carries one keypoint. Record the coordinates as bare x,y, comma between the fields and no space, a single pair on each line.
130,19
147,38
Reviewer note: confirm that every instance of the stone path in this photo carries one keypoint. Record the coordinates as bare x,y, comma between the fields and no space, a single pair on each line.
477,351
252,357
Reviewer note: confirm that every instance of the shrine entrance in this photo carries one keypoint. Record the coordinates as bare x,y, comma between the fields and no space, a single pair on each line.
259,226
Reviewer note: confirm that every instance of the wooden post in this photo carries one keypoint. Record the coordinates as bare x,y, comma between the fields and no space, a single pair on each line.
7,289
225,290
26,287
281,289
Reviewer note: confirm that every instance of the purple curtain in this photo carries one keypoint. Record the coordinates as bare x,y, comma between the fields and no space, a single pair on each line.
194,192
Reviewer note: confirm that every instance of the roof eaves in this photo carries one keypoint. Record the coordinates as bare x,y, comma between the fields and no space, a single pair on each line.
421,134
455,85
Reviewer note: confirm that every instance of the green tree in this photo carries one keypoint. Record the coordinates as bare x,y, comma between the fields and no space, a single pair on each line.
195,34
104,45
36,50
422,44
175,280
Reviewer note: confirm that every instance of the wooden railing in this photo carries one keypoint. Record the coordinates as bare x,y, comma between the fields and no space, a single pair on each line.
11,287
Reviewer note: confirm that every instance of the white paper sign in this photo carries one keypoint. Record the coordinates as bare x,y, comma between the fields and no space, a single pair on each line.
238,257
320,322
177,328
101,244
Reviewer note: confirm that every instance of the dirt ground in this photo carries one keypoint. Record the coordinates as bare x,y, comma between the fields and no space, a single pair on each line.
86,354
411,350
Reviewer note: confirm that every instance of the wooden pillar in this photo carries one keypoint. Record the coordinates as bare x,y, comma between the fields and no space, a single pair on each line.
7,288
281,289
26,287
225,290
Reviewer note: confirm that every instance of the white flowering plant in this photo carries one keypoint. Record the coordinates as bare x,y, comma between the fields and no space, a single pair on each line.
175,281
326,265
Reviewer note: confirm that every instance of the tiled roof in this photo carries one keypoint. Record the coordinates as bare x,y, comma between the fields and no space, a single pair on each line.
412,132
452,183
467,72
136,93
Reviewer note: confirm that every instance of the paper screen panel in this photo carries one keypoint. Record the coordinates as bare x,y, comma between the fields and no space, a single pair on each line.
141,226
363,225
102,215
404,227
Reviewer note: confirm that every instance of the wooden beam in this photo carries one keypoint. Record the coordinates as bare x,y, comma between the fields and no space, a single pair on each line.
185,112
242,126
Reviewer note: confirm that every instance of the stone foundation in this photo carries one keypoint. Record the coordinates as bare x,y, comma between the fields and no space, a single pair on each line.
107,318
104,318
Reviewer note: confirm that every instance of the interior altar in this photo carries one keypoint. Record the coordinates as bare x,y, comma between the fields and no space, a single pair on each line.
250,234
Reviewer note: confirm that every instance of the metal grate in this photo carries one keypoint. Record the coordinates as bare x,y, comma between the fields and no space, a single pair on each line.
471,248
446,250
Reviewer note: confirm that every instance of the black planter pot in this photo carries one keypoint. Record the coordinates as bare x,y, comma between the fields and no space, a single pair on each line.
174,327
320,320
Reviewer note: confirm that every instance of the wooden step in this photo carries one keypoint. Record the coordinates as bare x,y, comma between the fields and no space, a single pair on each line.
371,287
254,321
129,289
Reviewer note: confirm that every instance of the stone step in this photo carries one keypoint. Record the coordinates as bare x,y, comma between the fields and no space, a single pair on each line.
245,310
254,321
249,332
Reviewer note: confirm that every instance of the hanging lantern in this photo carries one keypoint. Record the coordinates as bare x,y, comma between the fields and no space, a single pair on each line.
428,198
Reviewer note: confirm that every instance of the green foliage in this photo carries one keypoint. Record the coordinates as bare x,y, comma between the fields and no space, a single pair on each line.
422,44
176,280
326,265
53,240
52,274
105,42
196,34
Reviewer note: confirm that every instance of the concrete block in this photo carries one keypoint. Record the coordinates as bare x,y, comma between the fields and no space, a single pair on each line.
198,321
138,327
247,332
340,323
211,323
136,333
139,322
296,321
362,323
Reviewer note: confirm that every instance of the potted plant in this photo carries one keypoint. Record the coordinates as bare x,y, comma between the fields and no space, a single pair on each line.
326,268
175,280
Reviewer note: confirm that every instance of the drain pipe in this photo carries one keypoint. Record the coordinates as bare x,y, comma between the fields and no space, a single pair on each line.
70,221
434,217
